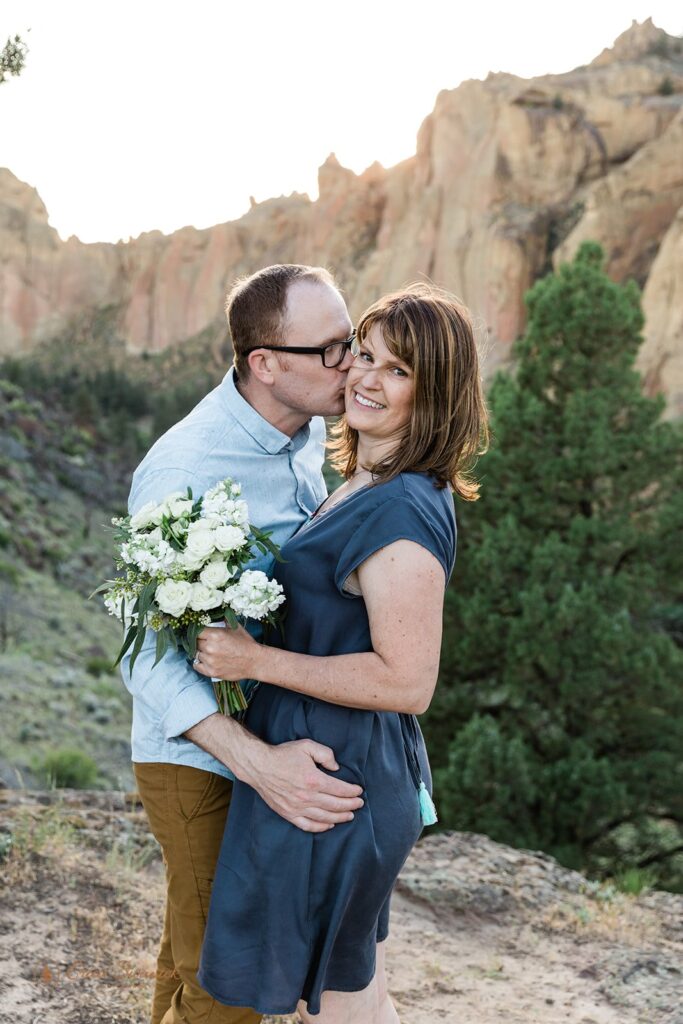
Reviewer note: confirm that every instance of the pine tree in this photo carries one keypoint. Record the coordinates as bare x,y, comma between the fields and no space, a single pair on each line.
558,722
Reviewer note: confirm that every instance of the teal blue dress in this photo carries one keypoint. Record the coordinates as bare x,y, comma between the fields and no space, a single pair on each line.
295,913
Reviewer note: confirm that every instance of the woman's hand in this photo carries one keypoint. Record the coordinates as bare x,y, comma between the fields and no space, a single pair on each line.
225,653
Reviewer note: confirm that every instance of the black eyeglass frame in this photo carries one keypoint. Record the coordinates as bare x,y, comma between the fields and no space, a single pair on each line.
302,350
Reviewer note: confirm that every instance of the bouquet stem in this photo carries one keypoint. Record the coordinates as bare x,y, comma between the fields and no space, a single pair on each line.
229,696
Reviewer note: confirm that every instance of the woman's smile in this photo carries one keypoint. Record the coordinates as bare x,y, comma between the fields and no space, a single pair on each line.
365,402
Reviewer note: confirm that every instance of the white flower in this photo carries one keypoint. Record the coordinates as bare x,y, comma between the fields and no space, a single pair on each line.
216,574
204,598
239,513
210,522
144,516
254,595
127,553
114,603
214,505
215,491
152,556
200,544
173,596
230,512
186,560
177,505
229,538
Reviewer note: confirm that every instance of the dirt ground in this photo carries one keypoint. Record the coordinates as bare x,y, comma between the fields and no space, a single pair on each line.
481,934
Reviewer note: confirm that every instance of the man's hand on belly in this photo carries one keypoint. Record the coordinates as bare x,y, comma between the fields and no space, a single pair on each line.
286,777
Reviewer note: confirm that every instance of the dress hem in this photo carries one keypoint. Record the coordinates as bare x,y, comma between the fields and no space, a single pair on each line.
239,1003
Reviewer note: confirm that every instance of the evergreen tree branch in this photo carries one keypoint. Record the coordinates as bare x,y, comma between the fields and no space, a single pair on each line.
655,858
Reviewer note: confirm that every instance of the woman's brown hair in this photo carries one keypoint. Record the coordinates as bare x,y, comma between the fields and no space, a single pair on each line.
430,331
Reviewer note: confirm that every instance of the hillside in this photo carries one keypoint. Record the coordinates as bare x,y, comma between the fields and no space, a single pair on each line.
509,176
59,486
481,934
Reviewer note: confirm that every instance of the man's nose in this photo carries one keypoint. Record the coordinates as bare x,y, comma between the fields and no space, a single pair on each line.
347,362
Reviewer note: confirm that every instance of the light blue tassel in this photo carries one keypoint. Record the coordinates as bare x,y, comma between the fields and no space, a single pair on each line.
427,808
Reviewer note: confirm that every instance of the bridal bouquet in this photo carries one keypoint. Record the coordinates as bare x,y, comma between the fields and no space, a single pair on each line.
184,567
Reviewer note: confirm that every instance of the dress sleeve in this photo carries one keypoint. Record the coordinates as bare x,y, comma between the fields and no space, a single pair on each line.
397,518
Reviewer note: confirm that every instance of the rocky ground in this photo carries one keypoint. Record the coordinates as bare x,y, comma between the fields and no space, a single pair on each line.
481,933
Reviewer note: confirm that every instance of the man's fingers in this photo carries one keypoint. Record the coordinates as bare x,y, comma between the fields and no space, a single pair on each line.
306,825
347,791
321,755
333,804
329,817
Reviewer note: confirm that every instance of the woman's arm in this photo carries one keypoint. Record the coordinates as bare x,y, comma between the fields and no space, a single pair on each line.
403,589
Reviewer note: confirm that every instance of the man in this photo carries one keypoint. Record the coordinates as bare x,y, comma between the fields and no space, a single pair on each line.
290,332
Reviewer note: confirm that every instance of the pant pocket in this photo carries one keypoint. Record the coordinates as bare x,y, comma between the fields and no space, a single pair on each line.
193,789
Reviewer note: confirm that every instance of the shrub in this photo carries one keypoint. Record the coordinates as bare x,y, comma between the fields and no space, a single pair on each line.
98,666
69,769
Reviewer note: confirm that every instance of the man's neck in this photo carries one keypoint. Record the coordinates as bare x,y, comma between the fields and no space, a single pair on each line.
288,421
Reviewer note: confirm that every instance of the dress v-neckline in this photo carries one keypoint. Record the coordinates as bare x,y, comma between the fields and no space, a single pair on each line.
318,513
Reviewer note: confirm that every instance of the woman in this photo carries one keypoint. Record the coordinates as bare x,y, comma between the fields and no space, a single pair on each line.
298,920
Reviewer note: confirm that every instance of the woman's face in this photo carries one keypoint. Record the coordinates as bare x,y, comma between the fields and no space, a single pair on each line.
379,389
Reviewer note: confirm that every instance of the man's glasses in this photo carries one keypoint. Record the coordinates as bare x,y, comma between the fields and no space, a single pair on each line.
332,355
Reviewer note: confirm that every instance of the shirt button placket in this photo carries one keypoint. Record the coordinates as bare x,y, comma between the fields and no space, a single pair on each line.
302,488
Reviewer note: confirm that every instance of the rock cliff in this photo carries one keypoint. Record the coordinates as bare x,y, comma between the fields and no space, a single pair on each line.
509,176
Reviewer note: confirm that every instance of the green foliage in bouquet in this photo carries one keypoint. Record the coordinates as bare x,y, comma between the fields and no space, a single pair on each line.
558,721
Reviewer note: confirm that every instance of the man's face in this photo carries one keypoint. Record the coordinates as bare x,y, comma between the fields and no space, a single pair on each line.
316,315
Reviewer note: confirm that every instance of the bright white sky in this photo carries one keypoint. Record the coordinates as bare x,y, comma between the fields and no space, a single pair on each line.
145,114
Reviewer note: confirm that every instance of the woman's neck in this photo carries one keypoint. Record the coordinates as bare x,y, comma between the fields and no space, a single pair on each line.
370,451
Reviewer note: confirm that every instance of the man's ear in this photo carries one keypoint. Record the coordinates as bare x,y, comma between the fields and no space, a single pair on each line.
261,365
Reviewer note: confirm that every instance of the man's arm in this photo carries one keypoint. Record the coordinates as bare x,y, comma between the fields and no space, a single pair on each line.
183,702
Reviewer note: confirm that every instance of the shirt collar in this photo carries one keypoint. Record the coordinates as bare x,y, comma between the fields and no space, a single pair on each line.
264,433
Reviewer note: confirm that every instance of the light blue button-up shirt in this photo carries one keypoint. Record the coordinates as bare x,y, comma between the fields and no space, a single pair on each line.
282,483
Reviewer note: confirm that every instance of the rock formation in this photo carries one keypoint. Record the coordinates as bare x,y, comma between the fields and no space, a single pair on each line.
509,176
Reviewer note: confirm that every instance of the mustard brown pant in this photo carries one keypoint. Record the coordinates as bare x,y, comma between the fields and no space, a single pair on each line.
187,809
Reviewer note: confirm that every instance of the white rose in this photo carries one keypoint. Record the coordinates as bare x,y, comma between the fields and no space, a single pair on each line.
204,598
173,596
200,544
228,538
144,516
176,506
215,574
189,562
209,522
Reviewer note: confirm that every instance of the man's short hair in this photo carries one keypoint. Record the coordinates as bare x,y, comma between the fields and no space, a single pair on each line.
256,307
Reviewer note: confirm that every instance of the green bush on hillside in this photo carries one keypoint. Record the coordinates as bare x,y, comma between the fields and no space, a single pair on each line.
68,769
